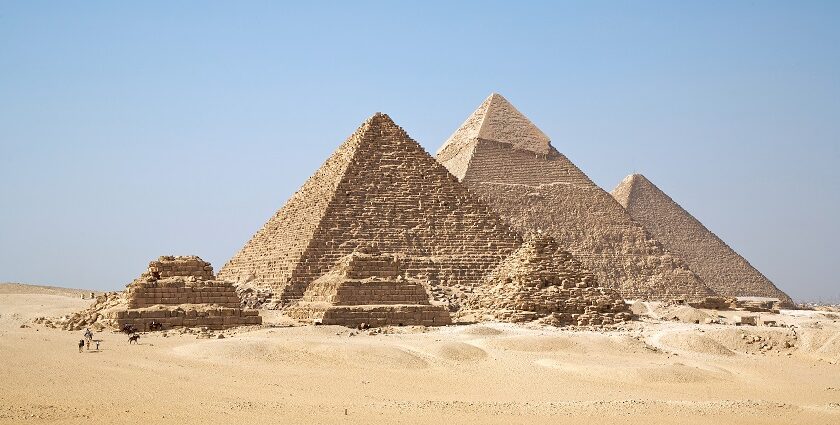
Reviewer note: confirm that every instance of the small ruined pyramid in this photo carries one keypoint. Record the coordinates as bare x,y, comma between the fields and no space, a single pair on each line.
368,287
721,268
505,159
542,281
379,188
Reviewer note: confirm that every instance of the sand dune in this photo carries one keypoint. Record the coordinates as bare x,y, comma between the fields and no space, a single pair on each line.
694,343
307,353
457,351
649,372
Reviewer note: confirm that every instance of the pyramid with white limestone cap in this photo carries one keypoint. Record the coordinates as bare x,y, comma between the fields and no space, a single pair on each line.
496,120
501,156
722,269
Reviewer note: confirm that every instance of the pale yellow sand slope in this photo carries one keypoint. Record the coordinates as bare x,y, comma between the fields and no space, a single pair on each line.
664,372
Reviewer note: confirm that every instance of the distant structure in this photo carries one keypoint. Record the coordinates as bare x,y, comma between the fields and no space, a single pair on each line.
378,188
721,268
174,291
505,159
542,281
367,287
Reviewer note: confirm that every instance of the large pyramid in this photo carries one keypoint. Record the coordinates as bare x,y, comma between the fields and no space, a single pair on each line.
378,188
501,156
721,268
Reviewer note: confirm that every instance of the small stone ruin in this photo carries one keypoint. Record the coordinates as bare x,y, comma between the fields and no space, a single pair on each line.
542,281
368,287
180,280
182,291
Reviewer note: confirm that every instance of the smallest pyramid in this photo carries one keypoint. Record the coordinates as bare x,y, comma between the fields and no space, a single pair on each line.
368,287
542,281
182,291
722,269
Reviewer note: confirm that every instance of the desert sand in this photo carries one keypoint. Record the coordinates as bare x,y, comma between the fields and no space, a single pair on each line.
647,371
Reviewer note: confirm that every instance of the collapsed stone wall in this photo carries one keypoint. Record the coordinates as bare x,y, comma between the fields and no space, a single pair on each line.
543,281
722,269
368,287
753,304
381,187
182,265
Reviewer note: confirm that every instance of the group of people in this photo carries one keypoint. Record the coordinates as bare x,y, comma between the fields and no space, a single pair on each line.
88,338
133,336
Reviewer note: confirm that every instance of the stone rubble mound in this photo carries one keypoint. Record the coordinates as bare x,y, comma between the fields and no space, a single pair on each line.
506,160
542,281
95,317
179,266
368,287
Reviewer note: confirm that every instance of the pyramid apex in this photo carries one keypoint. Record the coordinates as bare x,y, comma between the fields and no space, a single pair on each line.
498,120
629,188
374,123
379,117
632,179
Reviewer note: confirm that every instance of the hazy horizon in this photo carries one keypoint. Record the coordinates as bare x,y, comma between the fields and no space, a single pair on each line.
130,131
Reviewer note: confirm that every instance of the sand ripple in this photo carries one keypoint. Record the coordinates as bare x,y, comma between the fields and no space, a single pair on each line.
302,353
458,351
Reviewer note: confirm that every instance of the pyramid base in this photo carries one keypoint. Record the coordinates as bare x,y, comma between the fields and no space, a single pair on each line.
373,315
212,317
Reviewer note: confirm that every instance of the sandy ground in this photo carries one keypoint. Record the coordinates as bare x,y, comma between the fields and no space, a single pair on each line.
650,372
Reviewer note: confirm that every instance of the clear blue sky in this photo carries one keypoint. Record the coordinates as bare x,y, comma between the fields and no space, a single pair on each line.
129,130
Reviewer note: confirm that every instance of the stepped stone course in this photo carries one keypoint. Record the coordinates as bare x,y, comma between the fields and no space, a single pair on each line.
180,280
379,187
721,268
181,291
511,165
542,281
368,287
